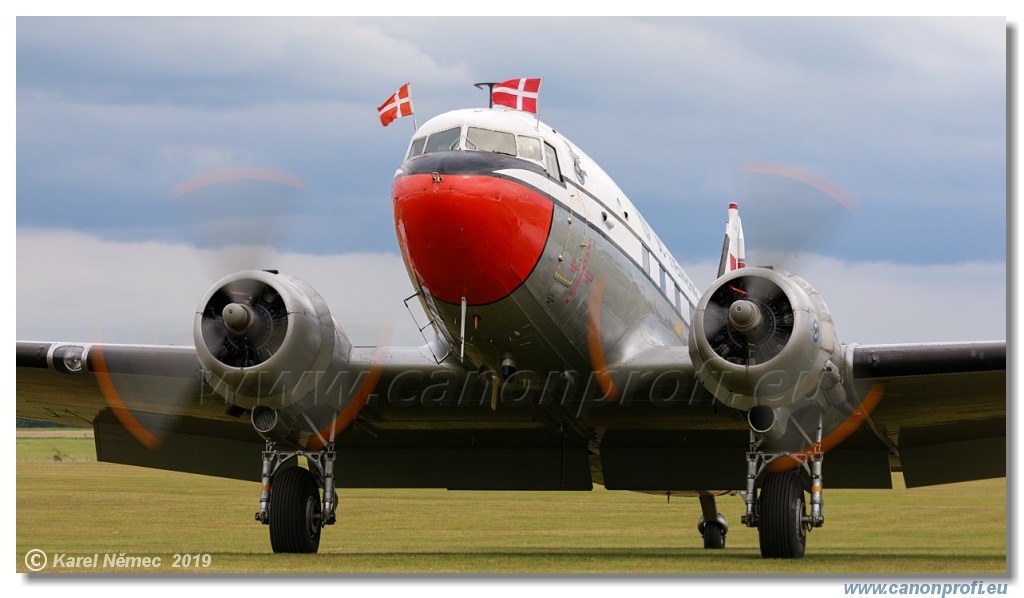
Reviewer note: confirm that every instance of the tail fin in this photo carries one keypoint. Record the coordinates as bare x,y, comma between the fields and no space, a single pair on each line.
733,255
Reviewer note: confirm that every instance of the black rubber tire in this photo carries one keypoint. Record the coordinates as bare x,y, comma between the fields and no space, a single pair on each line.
714,535
781,508
294,511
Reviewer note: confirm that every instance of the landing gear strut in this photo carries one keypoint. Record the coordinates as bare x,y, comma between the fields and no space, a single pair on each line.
290,501
780,511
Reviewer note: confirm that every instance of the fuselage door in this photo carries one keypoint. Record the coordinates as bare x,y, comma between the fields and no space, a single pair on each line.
572,260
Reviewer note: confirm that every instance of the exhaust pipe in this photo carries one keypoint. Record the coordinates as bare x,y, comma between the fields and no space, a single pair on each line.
767,422
268,424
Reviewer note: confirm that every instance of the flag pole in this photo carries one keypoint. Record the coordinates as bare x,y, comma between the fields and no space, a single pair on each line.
490,91
539,85
412,109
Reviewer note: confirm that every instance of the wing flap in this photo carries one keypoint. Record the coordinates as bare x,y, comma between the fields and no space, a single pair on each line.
227,449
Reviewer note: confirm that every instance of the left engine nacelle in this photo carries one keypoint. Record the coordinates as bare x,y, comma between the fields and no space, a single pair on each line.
764,338
266,339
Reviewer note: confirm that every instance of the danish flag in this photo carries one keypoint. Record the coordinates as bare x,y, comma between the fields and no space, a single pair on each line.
521,94
397,106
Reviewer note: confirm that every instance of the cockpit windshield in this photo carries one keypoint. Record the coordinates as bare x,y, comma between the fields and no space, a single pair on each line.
447,139
443,140
488,140
417,147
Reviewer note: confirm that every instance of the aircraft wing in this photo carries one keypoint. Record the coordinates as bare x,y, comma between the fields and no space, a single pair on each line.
147,405
936,412
419,424
943,407
941,418
150,405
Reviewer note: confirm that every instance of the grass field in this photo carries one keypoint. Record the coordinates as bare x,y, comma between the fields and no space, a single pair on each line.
67,503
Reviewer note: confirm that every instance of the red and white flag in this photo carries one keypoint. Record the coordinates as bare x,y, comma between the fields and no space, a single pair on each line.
521,94
397,106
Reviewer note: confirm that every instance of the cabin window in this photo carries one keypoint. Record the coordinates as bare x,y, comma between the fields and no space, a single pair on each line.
661,279
551,162
485,140
647,261
443,140
417,147
679,300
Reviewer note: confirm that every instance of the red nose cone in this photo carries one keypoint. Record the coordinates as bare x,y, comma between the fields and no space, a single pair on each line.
471,236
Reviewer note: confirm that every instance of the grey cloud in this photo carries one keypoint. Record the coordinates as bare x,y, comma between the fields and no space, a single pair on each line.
906,115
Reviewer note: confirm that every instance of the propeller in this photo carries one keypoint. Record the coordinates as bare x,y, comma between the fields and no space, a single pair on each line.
595,349
238,214
839,433
789,211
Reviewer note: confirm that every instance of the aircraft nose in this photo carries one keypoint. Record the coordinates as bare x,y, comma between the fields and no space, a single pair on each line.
472,236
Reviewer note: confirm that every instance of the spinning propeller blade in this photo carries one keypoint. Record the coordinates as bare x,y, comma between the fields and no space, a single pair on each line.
240,213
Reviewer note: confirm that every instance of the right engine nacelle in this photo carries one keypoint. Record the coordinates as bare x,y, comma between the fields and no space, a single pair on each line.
763,337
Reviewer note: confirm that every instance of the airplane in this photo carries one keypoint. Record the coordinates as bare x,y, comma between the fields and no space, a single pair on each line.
564,347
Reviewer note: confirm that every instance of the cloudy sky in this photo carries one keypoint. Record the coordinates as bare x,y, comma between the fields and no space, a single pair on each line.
905,116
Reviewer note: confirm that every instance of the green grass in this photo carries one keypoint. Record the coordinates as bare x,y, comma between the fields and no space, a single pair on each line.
50,445
78,506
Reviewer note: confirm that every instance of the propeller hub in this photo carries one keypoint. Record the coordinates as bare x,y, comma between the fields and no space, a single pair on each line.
744,316
238,318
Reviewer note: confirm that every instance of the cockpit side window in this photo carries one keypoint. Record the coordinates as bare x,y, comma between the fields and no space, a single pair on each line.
443,140
417,147
485,140
529,148
551,162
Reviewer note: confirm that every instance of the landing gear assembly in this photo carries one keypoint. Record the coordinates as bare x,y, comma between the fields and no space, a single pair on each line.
712,525
291,502
779,511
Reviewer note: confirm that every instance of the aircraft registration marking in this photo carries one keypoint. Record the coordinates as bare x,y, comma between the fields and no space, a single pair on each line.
581,267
